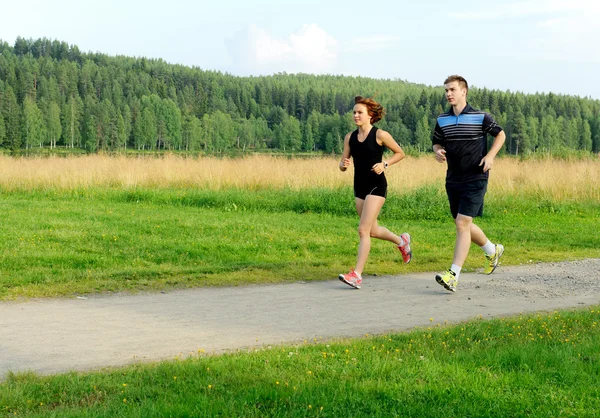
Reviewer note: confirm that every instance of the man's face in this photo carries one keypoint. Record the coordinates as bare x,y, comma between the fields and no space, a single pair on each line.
455,94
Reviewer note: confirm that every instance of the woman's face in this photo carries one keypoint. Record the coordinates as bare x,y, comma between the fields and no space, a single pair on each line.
361,114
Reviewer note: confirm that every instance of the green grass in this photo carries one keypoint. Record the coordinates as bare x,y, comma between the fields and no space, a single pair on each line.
540,365
58,243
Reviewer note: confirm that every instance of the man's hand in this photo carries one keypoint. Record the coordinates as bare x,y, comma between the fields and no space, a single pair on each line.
487,162
440,155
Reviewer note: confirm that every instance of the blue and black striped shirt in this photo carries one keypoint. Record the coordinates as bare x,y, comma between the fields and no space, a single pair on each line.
464,137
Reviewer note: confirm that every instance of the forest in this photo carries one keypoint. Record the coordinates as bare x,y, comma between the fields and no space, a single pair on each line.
52,95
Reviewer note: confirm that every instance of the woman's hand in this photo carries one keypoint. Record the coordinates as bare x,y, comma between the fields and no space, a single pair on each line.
378,168
344,164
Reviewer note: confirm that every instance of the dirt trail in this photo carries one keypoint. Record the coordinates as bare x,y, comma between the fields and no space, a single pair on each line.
57,335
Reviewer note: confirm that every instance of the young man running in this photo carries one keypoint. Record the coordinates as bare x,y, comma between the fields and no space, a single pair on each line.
460,139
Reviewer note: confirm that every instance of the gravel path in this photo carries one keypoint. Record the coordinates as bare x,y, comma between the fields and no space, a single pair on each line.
58,335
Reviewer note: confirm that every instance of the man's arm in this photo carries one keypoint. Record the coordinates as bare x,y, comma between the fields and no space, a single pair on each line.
438,144
488,161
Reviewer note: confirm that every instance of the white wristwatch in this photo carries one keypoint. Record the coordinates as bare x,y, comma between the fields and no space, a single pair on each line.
385,165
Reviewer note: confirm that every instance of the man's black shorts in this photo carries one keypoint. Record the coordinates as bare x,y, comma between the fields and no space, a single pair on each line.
466,198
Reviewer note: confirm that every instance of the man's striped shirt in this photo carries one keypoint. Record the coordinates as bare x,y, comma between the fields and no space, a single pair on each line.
464,138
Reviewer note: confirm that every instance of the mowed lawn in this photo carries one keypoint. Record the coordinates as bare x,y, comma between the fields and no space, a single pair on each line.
65,243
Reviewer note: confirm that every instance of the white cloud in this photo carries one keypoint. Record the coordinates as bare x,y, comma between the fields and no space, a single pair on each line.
308,50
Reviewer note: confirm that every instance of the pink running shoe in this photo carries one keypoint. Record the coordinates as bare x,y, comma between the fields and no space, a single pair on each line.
352,279
405,247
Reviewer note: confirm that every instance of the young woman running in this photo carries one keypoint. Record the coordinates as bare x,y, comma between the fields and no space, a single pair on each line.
365,145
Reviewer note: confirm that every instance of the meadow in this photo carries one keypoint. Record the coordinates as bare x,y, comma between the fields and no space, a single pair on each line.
103,224
98,223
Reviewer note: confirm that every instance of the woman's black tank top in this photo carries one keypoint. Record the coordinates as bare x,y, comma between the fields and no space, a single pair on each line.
365,154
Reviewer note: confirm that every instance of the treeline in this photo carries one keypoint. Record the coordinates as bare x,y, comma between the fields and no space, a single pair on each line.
52,94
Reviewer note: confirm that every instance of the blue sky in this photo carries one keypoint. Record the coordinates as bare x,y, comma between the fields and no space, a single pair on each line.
529,46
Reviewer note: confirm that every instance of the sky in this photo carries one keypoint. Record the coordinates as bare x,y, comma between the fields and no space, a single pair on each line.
518,45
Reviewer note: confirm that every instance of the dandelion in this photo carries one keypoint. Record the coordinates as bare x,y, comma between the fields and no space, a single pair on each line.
124,400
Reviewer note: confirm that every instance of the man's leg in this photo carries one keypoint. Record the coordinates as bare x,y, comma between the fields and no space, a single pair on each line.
477,235
492,251
464,227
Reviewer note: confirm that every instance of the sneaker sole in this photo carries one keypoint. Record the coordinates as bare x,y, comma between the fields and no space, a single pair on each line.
343,280
499,255
440,281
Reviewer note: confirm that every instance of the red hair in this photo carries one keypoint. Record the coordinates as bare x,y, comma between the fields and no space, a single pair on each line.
374,109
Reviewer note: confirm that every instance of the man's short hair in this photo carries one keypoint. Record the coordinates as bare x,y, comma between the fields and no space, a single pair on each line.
461,81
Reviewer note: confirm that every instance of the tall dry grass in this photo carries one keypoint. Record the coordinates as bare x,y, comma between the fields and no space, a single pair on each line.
549,178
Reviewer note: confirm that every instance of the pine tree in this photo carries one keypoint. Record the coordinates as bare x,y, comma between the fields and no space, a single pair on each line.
12,119
2,130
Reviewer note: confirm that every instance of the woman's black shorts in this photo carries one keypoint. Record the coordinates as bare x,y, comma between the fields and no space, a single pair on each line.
375,184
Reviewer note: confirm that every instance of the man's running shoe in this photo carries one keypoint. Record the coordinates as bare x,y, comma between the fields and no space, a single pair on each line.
405,247
448,280
491,261
352,279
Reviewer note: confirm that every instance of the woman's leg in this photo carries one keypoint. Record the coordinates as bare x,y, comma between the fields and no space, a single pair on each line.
368,210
